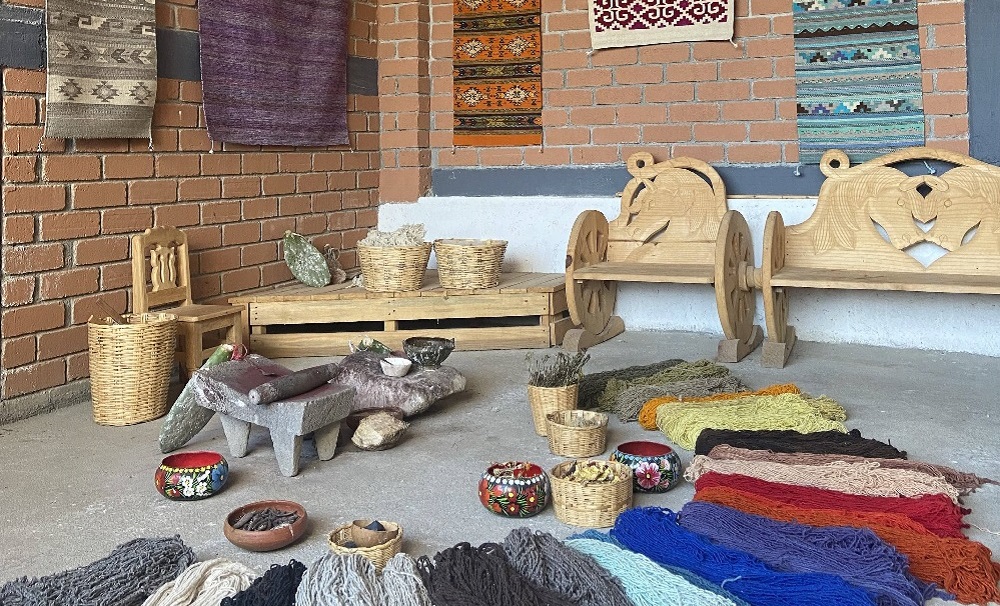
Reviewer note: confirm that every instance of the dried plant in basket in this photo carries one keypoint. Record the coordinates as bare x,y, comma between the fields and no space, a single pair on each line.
408,235
556,370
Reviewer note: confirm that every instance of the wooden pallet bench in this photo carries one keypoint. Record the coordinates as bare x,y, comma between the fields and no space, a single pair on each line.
526,310
866,218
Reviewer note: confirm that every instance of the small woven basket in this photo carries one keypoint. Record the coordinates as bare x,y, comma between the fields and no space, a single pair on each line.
130,366
378,554
393,268
577,433
593,505
546,400
464,264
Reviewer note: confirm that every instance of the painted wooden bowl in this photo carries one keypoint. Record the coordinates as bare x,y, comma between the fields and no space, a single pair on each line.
655,466
265,540
190,476
515,489
428,352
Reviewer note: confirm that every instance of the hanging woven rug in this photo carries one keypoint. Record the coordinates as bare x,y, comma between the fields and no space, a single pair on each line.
616,23
498,72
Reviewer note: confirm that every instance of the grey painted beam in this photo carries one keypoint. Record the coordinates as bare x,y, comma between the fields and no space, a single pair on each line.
22,37
983,48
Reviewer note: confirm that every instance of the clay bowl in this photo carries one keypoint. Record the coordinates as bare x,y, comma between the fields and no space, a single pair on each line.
428,352
655,466
265,540
522,494
190,476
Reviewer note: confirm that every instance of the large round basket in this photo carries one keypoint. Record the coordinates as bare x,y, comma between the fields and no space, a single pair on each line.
546,400
130,366
469,263
393,268
378,554
577,433
594,505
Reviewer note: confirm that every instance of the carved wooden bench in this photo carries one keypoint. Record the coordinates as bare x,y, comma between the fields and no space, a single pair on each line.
866,218
674,227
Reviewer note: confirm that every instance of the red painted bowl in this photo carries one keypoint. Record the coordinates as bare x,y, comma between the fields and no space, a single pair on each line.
521,494
655,466
190,476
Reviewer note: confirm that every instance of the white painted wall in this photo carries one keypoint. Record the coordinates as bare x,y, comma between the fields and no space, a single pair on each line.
537,229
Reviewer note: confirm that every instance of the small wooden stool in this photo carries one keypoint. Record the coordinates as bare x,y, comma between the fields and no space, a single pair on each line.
224,388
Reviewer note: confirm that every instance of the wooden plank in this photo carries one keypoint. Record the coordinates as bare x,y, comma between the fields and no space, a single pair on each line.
558,329
412,308
335,344
648,272
804,277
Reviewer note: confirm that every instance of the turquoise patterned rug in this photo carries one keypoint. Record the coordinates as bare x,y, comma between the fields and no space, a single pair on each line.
857,77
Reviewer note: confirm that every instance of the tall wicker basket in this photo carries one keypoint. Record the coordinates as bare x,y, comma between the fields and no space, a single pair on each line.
466,264
130,366
393,268
546,400
591,505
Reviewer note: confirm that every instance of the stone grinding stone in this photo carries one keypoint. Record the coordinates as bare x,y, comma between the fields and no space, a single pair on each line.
378,432
413,393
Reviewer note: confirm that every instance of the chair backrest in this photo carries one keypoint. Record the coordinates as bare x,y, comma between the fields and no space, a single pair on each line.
161,274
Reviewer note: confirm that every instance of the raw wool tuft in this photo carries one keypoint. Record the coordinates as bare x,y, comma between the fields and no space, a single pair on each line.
682,422
655,533
547,562
126,577
629,402
854,478
962,567
647,415
408,235
825,442
592,385
204,584
934,512
964,482
856,555
352,580
276,588
646,583
680,372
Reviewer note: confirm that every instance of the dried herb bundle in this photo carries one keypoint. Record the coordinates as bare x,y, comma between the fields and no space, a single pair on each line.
556,370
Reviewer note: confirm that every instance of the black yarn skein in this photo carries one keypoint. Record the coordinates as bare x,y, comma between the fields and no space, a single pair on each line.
276,588
820,442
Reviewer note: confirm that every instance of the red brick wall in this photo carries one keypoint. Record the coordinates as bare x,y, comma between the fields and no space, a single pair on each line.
711,100
69,210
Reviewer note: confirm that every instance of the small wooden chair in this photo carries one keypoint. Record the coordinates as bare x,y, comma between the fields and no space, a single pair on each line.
161,276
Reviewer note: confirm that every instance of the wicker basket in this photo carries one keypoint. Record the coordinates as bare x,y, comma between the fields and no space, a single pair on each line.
466,264
393,268
130,366
591,505
379,554
577,433
546,400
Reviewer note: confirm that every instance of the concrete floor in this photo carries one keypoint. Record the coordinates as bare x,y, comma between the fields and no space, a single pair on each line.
71,490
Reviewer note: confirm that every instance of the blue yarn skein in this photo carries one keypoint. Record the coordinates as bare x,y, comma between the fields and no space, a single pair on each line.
655,533
856,555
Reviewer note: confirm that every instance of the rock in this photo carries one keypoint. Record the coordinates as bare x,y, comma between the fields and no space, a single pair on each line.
186,418
412,394
379,432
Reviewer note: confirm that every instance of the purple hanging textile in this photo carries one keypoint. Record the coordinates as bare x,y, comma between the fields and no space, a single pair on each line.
274,72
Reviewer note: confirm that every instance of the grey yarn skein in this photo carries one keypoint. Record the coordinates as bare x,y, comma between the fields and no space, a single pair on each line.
401,583
126,577
630,402
352,580
547,562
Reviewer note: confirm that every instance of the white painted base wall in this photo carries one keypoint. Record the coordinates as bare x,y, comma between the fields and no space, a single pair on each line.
537,230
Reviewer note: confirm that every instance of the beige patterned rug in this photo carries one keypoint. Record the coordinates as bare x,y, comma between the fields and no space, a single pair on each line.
101,68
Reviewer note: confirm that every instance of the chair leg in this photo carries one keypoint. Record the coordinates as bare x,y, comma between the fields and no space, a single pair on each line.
235,333
192,350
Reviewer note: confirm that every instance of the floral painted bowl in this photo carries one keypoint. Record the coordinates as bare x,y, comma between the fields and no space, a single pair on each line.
189,476
428,352
655,467
514,489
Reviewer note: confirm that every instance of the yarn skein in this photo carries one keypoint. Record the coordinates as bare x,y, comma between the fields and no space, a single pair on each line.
401,583
647,415
965,483
822,442
681,372
682,422
645,582
858,556
276,587
464,575
630,402
854,478
962,567
936,513
125,577
204,584
690,577
656,534
546,562
340,580
591,385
